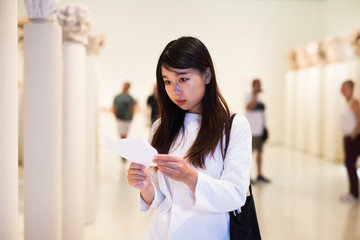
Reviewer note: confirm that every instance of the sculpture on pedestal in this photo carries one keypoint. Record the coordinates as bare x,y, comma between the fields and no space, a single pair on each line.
337,50
41,9
302,58
354,39
75,21
95,40
315,53
292,63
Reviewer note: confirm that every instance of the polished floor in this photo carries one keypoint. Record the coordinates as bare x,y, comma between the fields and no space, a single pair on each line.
301,203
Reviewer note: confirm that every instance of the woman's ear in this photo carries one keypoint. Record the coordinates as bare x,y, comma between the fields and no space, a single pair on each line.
207,76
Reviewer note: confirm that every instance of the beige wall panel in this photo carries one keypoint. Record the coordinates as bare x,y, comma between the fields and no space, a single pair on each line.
42,131
74,138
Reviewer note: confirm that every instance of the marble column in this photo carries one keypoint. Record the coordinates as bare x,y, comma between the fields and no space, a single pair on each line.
42,123
289,108
337,51
92,74
42,131
75,22
314,104
300,102
314,110
8,122
334,74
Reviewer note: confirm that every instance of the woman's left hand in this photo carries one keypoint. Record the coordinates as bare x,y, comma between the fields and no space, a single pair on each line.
176,168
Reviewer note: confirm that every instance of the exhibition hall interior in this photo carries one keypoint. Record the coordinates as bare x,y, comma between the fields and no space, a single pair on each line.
62,63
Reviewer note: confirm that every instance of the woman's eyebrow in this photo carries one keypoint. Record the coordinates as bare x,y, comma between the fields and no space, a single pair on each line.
177,73
181,73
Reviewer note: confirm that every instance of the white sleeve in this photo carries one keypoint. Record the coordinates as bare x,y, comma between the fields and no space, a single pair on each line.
158,197
229,192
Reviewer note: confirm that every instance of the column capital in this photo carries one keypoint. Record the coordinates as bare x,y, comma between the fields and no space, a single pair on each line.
354,39
43,10
75,20
337,50
315,53
292,63
302,57
95,40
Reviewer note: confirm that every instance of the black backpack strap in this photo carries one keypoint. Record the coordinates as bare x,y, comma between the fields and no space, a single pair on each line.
227,138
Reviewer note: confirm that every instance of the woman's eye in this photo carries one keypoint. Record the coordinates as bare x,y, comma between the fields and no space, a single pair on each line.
167,82
183,79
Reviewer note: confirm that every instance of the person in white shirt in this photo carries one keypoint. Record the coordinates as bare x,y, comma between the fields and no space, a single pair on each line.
196,181
351,130
255,113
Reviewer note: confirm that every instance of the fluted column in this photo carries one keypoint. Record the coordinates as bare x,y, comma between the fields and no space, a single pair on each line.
334,74
75,21
42,123
289,108
314,96
8,121
92,74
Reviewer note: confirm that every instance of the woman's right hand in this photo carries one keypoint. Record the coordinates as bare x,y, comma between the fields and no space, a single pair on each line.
138,176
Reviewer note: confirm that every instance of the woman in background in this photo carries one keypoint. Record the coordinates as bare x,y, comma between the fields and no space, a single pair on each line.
351,129
200,174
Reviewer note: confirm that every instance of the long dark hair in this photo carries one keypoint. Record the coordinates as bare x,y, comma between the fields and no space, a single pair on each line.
183,53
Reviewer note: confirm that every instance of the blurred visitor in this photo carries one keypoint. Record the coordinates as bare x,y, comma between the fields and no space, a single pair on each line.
255,113
351,130
123,109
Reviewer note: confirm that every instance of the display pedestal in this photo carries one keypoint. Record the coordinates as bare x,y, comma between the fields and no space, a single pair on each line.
74,139
91,136
42,131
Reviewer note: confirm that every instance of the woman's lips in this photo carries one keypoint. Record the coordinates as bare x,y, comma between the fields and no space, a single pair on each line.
180,102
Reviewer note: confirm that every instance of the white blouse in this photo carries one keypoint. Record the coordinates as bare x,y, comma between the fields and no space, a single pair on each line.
222,187
349,119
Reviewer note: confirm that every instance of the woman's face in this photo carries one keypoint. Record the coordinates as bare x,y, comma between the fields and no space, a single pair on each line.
346,91
186,87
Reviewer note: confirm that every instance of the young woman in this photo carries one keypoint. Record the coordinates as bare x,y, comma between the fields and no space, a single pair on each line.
351,130
196,182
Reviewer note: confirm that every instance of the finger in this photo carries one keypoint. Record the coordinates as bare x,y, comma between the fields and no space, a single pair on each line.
166,158
169,170
134,177
136,173
136,165
137,184
165,165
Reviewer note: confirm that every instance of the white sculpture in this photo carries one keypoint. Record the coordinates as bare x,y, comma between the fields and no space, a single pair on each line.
292,63
95,40
337,50
75,21
315,53
354,39
302,58
41,9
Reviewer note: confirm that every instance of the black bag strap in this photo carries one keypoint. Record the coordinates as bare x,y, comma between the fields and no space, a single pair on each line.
227,137
227,143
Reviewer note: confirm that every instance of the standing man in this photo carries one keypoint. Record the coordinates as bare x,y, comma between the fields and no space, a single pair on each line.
123,109
255,113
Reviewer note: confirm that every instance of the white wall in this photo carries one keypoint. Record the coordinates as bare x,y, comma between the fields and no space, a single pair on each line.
246,39
341,17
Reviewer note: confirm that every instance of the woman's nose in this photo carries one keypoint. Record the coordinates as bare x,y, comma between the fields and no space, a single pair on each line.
177,88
